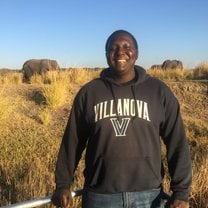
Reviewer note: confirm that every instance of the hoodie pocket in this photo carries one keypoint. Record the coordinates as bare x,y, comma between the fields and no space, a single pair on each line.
122,174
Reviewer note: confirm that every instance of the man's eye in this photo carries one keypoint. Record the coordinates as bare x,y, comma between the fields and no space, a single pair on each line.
112,49
127,48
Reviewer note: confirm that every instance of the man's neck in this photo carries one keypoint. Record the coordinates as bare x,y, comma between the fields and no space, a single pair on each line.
123,79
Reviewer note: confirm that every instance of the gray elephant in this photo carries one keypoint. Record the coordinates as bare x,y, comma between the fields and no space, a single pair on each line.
172,64
156,66
38,66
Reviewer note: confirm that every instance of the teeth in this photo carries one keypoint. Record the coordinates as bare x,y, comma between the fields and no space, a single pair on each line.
121,60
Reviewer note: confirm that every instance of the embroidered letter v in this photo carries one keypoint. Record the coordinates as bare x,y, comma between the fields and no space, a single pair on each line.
120,128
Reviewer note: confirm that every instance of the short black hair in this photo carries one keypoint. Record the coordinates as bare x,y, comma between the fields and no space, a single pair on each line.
119,32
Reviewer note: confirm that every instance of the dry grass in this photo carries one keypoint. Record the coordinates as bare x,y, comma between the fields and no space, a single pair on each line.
176,75
45,116
201,71
5,105
80,76
200,182
54,94
32,130
11,78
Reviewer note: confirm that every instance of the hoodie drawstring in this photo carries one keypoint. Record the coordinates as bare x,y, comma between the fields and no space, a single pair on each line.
115,101
114,98
134,96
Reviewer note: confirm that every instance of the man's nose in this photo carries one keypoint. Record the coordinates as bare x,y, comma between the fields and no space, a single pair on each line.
120,50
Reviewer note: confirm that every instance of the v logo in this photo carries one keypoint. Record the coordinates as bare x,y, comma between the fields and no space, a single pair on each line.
120,128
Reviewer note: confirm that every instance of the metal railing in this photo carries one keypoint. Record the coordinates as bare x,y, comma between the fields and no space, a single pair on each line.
38,202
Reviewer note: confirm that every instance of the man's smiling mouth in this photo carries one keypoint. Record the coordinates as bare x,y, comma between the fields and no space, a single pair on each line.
121,60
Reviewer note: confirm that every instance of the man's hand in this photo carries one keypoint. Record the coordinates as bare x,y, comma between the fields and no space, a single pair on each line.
179,204
62,198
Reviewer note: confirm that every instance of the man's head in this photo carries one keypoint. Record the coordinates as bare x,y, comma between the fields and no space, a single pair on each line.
121,52
117,32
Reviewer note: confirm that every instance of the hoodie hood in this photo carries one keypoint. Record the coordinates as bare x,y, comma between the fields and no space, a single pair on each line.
141,75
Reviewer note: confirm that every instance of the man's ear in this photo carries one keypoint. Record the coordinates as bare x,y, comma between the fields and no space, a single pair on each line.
137,55
106,54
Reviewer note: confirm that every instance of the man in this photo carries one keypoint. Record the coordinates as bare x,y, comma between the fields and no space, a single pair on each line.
119,118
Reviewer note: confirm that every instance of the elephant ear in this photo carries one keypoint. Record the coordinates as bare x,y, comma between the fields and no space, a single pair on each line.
54,65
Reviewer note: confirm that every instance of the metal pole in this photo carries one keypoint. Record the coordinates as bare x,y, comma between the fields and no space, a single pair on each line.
38,202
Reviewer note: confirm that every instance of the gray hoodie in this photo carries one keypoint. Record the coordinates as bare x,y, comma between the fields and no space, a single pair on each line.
121,127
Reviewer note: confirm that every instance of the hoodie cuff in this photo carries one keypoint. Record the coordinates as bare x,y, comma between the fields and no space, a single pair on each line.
62,186
184,196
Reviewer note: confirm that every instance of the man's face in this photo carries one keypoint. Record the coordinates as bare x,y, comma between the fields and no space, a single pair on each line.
121,53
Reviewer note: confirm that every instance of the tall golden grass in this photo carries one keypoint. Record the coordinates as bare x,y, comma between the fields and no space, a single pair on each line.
11,78
32,129
201,71
6,106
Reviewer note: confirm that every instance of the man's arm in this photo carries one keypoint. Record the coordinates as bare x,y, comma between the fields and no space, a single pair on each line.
72,145
178,155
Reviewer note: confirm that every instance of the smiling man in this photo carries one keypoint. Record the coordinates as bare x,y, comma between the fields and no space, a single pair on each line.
121,54
120,119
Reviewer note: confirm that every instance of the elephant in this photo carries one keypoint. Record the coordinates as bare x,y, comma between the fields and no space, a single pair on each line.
172,64
38,66
156,66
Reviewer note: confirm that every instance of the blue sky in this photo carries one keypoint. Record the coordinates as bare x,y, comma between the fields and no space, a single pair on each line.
74,32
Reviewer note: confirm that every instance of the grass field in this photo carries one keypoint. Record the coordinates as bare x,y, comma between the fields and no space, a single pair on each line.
33,117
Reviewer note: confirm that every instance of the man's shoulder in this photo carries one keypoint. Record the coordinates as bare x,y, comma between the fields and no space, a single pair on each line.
159,86
91,86
156,82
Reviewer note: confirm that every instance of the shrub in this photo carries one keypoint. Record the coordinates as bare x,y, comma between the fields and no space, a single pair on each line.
201,71
54,94
188,74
